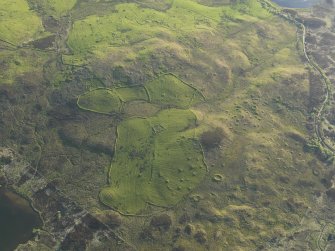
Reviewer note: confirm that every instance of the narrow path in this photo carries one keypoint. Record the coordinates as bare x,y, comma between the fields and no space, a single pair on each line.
327,97
318,117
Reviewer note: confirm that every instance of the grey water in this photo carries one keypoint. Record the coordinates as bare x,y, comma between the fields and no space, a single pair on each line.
296,3
17,220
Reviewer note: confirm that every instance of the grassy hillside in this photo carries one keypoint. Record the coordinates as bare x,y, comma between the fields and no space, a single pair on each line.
18,23
161,153
54,8
131,25
160,156
114,112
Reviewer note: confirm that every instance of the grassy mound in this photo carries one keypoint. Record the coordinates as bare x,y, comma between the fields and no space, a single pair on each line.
18,23
159,154
166,90
132,93
21,64
103,101
169,90
140,109
157,161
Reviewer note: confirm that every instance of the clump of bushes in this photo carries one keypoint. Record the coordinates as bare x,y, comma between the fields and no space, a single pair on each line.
189,229
5,160
162,221
314,23
179,248
146,234
110,218
212,138
158,225
201,236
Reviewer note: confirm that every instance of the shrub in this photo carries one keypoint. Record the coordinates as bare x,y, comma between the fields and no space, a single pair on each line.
201,236
5,160
212,138
161,221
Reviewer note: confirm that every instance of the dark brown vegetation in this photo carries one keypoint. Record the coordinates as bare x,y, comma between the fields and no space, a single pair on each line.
189,229
43,124
184,218
331,116
330,2
316,91
73,148
291,12
162,221
212,138
179,248
201,236
5,160
146,234
110,218
327,39
331,194
44,43
313,23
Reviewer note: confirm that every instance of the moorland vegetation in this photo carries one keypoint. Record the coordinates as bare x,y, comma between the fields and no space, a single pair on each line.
194,108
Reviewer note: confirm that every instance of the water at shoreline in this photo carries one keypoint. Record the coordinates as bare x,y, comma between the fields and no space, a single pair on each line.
17,220
296,3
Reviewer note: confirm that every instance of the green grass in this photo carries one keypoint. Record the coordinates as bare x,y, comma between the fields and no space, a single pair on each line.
55,8
159,154
156,4
131,25
20,62
166,90
140,109
18,23
169,90
132,93
157,161
151,152
102,101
